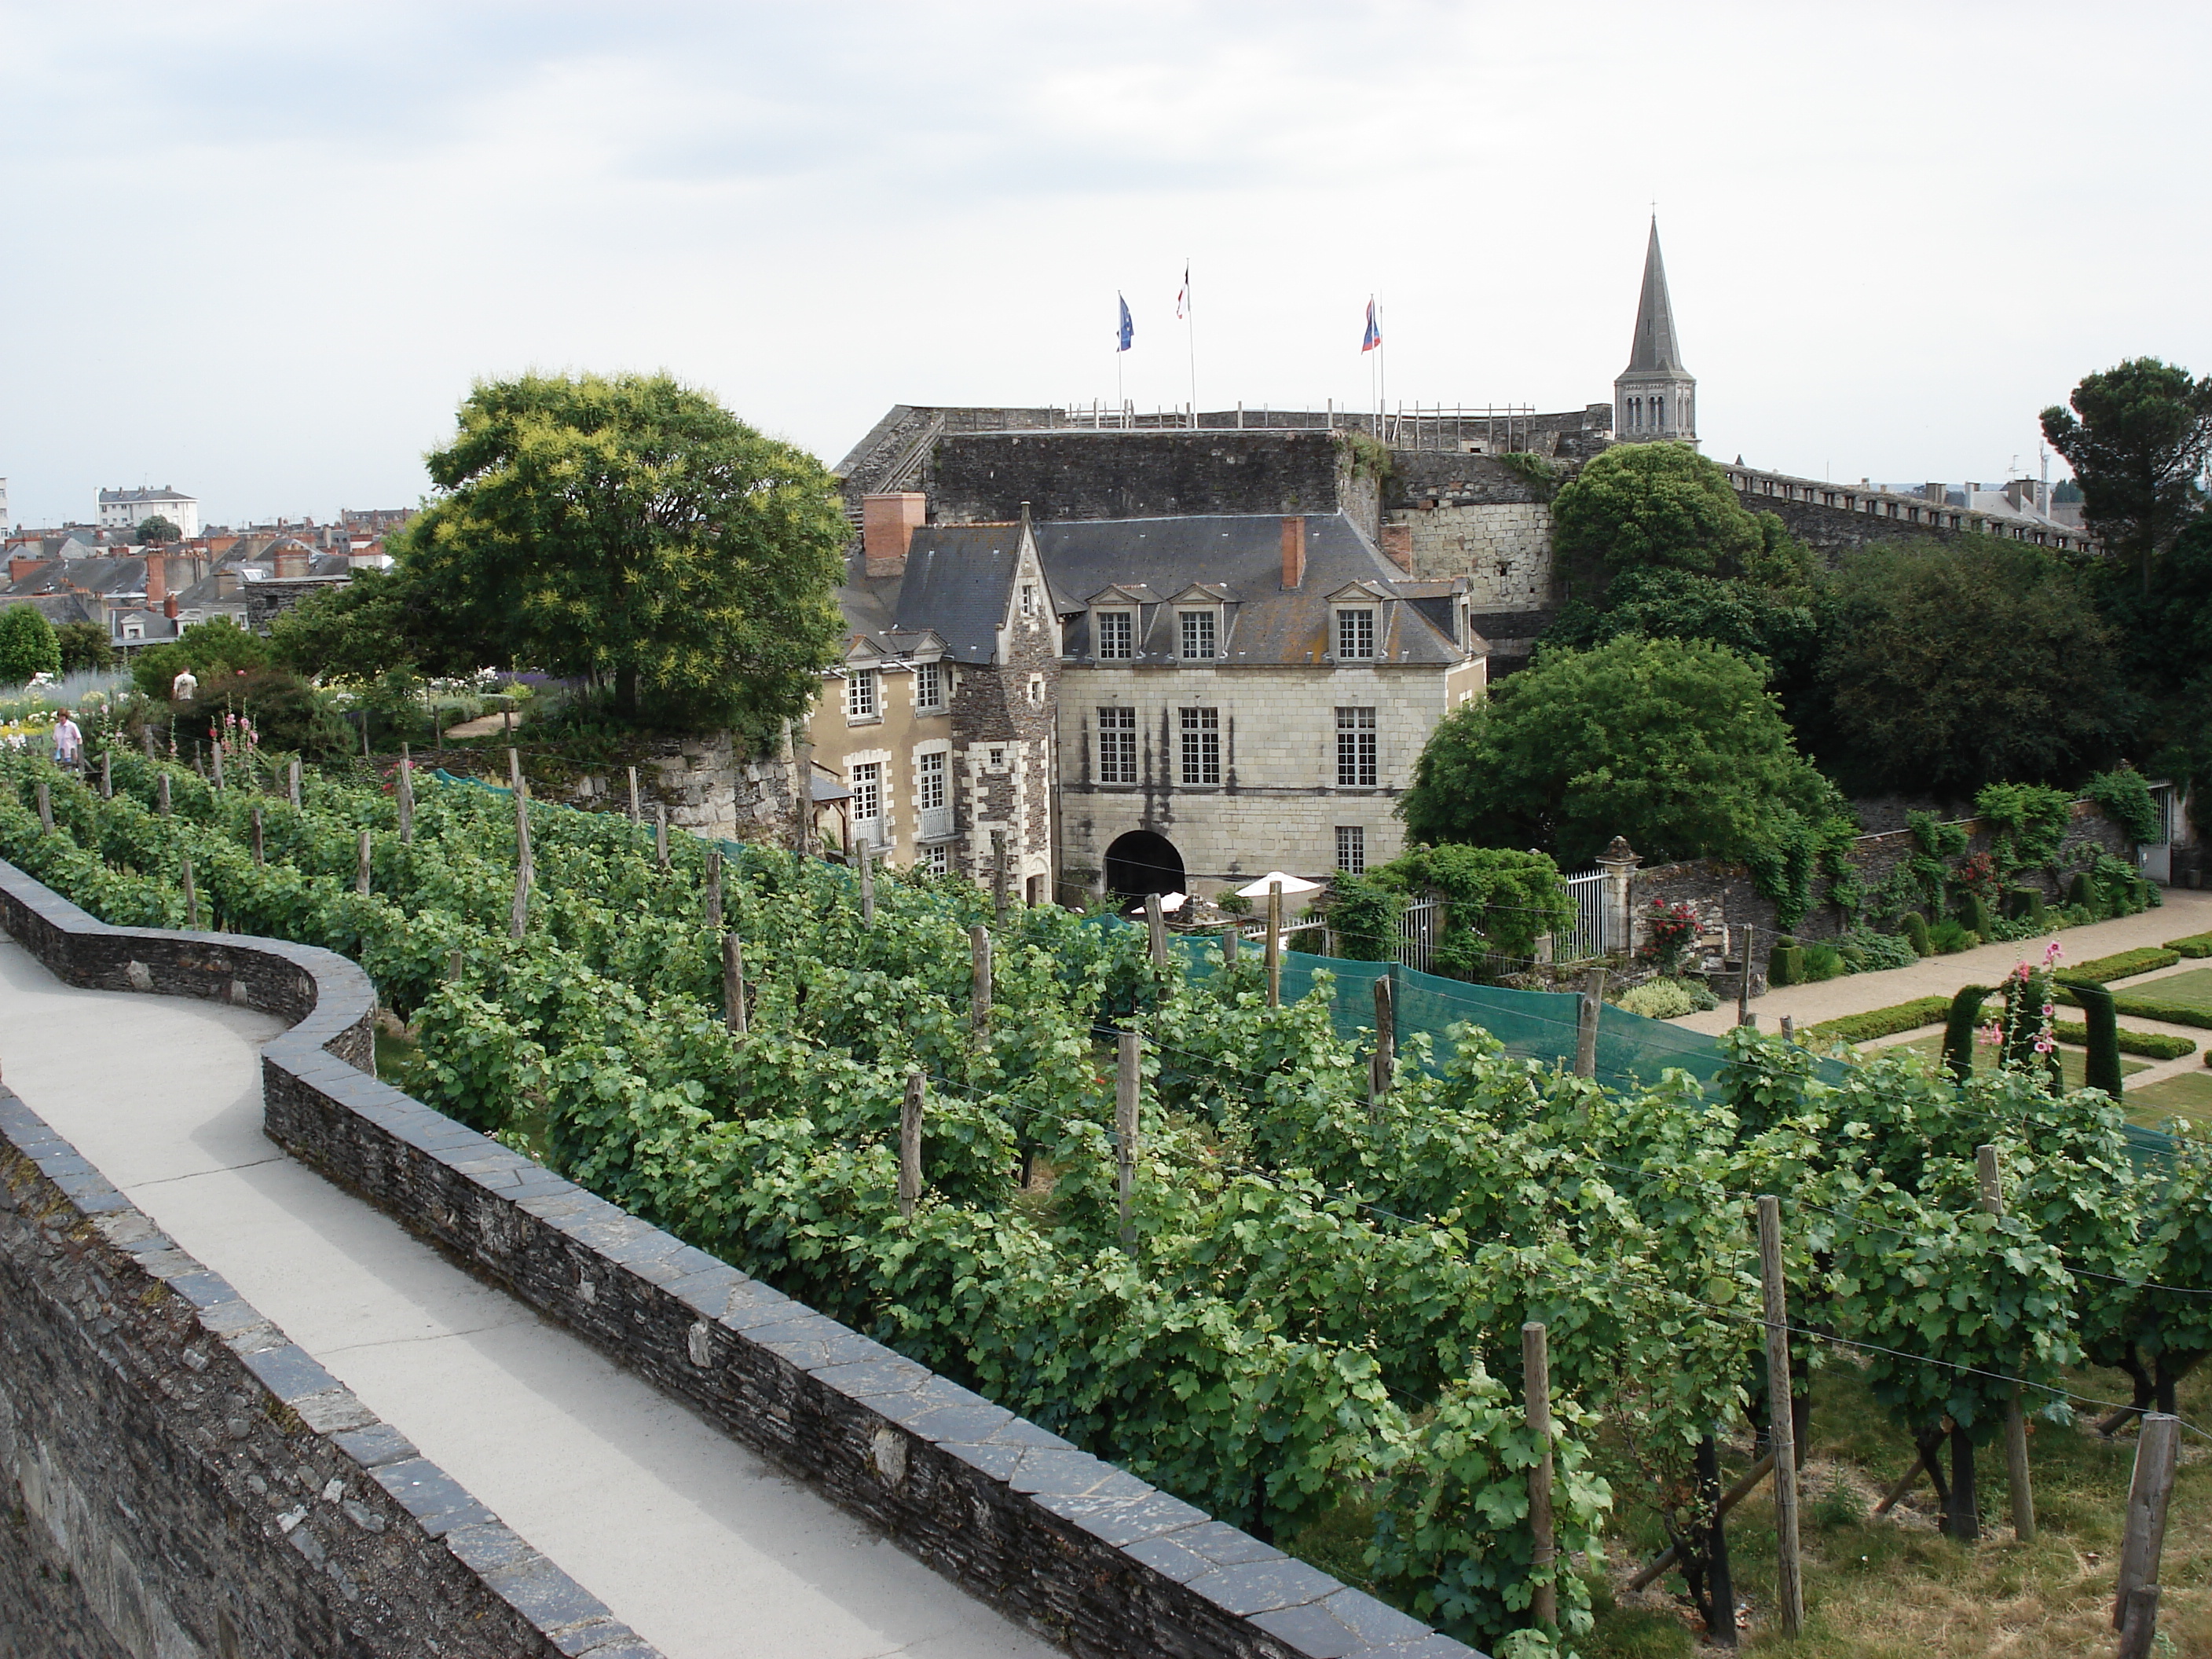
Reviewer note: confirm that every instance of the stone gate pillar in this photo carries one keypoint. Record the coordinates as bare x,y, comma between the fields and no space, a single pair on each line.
1618,861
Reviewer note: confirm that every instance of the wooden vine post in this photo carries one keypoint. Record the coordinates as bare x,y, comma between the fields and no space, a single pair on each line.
292,782
660,833
1383,1064
525,870
1155,931
161,794
733,983
215,754
999,875
191,896
1126,1081
108,775
1275,944
979,997
1719,1577
2016,1471
715,888
259,852
1536,1397
46,807
1231,936
404,793
909,1176
1743,1014
865,852
146,740
361,865
633,795
454,960
1781,1414
1590,1011
2143,1537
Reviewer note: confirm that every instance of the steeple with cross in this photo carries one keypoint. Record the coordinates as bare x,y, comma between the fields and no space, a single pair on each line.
1655,397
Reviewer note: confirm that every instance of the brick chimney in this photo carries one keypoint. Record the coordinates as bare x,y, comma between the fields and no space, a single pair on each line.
20,565
1294,551
291,563
169,607
887,527
157,579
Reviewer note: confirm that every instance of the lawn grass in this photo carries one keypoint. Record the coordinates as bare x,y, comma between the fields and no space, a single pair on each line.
2189,1095
2190,990
1894,1586
2074,1062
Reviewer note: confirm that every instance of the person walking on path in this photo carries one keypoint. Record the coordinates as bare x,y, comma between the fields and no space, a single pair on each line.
68,742
185,687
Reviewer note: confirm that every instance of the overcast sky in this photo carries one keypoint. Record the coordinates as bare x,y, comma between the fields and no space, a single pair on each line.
260,251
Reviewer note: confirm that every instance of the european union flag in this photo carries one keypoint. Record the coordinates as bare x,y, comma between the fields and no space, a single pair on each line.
1128,329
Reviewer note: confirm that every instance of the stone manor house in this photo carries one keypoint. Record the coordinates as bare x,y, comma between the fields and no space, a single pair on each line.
1172,651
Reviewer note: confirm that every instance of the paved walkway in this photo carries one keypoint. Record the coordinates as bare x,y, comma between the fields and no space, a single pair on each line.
702,1547
2184,912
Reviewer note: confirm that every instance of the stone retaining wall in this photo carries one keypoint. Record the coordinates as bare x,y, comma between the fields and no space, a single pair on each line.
177,1479
1077,1549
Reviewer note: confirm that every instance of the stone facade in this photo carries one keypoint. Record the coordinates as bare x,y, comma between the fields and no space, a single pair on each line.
1075,1548
708,786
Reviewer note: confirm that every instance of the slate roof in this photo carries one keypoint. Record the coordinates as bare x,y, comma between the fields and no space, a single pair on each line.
958,586
1654,350
1240,556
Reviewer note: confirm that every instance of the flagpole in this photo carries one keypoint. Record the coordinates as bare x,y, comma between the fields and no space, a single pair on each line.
1190,335
1382,372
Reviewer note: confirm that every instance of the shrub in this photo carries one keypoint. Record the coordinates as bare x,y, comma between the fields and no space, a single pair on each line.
2124,798
1950,937
28,646
1363,914
1883,1022
2153,1045
1974,916
2099,970
1914,926
1659,999
1870,951
1669,931
1823,962
1785,963
2024,904
2195,944
2080,893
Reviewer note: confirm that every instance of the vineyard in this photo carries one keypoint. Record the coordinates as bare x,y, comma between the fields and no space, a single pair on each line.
1314,1309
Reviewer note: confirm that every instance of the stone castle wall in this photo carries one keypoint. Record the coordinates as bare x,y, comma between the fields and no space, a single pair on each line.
984,477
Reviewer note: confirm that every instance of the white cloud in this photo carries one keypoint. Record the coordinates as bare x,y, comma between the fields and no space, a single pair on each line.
1893,234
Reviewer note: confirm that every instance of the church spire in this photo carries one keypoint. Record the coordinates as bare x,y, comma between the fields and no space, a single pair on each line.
1654,397
1654,347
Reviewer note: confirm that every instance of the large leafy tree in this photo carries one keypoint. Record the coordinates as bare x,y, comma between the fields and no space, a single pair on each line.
631,530
28,646
1675,743
2137,438
1747,617
157,530
84,645
1662,504
381,621
1948,666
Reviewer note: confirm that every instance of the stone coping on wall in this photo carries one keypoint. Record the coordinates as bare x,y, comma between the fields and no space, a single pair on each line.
1076,1548
361,1531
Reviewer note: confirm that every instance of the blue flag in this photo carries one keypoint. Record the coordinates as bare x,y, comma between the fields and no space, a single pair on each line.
1127,330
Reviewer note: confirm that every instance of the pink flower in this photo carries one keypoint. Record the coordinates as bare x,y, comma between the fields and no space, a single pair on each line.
2048,1011
2052,951
2043,1043
1988,1036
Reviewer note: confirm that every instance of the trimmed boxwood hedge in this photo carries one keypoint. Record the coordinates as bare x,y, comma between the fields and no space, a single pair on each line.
2196,944
2153,1045
2102,970
1882,1022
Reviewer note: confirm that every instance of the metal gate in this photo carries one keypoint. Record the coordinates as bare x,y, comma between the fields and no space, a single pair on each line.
1416,934
1589,935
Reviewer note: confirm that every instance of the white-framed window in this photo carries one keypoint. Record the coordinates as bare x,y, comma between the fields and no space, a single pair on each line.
1200,641
1036,690
1202,745
863,701
929,779
1117,633
1029,598
866,781
1352,849
1355,633
1117,745
938,860
1356,766
998,759
928,686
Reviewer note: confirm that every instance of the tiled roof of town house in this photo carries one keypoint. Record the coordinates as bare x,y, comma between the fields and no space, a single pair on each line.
958,585
1242,554
112,498
100,575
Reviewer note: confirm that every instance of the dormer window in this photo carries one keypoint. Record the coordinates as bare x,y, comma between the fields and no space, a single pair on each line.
862,701
1199,638
1355,633
1117,633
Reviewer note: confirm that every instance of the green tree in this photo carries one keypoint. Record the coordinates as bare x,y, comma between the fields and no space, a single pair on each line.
2164,639
1778,624
1675,743
84,645
380,621
214,649
1948,666
2137,438
632,530
157,530
1662,504
28,646
1497,900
